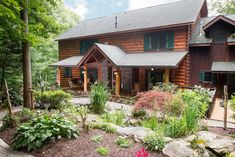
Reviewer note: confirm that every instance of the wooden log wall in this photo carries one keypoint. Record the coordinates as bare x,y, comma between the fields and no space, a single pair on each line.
131,43
68,48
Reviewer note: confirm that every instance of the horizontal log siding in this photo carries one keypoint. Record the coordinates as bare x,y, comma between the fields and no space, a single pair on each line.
130,42
68,49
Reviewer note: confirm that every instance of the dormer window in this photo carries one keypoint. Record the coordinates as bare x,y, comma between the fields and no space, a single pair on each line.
85,45
159,41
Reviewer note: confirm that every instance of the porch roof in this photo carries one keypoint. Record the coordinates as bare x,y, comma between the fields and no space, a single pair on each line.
69,62
223,67
139,59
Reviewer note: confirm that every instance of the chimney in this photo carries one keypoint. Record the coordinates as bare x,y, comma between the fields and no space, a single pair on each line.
201,29
116,21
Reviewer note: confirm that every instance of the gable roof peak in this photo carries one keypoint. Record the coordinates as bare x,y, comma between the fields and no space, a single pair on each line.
181,12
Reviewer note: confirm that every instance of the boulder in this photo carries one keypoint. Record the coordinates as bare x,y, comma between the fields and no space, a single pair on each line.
190,138
139,135
134,122
232,154
168,139
207,136
126,131
222,146
202,151
179,148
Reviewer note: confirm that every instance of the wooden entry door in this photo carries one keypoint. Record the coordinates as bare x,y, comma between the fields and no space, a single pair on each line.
154,77
92,75
231,84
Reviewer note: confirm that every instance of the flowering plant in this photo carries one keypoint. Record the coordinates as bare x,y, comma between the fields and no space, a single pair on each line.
141,153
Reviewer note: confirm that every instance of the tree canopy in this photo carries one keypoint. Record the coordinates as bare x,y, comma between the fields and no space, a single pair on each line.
47,18
225,7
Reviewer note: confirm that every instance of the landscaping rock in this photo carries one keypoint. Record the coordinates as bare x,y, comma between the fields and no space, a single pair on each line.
139,133
207,136
222,146
190,138
202,151
134,122
232,154
168,139
127,131
179,149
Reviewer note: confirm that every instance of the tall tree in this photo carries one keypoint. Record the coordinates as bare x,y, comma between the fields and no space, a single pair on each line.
43,25
225,7
27,73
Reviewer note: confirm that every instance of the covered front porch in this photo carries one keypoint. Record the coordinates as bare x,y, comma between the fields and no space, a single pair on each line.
127,73
225,75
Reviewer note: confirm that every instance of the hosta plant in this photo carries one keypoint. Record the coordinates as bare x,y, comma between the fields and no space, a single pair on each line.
32,135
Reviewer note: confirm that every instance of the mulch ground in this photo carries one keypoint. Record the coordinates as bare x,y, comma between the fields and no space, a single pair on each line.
221,131
81,147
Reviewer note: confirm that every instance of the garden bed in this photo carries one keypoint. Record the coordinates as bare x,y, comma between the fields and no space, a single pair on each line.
83,146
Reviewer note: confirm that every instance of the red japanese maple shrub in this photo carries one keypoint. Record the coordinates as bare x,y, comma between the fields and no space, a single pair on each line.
141,153
154,100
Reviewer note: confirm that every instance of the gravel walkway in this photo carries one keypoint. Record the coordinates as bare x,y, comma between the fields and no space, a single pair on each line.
111,105
15,109
114,106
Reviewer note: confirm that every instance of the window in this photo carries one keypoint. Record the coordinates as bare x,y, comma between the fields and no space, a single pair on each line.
207,77
67,72
85,45
159,41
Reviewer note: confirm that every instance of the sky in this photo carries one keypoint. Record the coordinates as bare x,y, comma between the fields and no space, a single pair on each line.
89,9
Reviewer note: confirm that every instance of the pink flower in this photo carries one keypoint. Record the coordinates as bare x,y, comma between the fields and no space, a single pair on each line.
141,153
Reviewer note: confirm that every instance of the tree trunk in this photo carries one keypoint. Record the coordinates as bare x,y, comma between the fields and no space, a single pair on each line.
8,98
27,74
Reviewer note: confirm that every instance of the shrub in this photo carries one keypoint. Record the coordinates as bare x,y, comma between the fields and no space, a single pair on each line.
151,123
154,142
152,100
27,114
32,135
141,153
191,116
166,87
97,138
83,112
187,123
176,127
98,97
197,97
175,106
117,118
51,99
9,121
123,142
232,101
104,127
139,113
103,151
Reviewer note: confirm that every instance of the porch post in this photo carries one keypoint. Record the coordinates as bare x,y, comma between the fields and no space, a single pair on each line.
167,75
118,83
85,78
